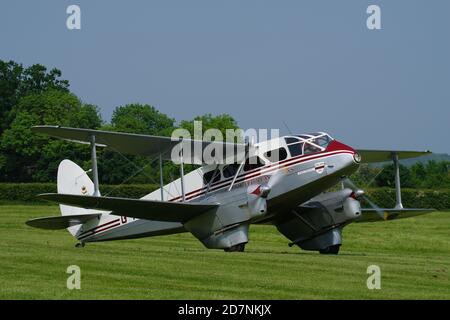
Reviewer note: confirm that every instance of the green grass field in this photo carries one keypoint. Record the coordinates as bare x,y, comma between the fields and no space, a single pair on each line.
413,254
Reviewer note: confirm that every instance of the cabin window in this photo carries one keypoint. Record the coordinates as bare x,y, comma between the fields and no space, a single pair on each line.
276,155
230,170
296,149
253,163
309,148
211,175
291,140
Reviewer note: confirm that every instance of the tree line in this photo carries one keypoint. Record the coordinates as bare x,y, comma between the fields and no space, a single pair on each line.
430,175
35,95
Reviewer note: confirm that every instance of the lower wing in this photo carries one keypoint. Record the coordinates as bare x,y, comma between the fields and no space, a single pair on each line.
370,215
134,208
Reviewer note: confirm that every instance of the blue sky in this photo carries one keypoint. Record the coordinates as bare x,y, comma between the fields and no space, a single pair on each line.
313,64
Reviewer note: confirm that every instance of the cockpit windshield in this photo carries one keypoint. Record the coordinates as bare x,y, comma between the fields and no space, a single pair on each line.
307,143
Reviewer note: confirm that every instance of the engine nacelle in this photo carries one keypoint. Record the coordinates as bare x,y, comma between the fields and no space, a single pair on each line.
352,208
228,238
318,224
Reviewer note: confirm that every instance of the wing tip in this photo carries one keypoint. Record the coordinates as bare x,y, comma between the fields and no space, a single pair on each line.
47,196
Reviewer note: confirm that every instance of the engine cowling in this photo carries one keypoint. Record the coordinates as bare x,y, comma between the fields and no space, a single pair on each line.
352,208
257,200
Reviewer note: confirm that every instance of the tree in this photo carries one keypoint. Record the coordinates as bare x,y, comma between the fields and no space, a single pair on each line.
10,77
17,82
387,177
27,156
419,174
220,122
437,175
432,175
141,118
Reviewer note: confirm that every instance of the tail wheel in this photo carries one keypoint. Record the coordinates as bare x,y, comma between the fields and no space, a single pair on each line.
331,249
237,248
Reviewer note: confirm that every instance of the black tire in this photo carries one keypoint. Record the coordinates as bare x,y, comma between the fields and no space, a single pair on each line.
331,249
237,248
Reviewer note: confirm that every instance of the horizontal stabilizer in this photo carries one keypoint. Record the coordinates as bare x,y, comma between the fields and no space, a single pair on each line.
134,208
60,222
370,215
371,156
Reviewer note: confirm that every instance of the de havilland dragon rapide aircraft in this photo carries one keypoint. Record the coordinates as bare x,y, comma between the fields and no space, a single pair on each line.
282,182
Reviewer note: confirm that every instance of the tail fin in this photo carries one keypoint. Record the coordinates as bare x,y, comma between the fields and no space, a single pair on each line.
74,180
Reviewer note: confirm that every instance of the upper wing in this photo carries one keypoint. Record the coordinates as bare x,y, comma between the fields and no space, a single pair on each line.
140,144
370,215
369,156
60,222
134,208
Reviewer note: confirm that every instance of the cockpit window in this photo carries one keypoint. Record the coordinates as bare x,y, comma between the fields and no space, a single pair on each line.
276,155
308,143
322,141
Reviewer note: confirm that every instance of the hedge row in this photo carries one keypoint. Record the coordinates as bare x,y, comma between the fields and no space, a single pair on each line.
411,198
383,197
28,191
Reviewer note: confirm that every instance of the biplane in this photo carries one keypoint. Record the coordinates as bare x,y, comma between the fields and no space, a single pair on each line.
283,182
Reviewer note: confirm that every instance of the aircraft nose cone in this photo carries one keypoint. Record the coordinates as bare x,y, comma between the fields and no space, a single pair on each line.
339,146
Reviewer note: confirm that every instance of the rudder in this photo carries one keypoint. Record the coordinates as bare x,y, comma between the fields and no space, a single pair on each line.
72,179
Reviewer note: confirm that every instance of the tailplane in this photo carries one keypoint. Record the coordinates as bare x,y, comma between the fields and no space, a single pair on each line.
71,180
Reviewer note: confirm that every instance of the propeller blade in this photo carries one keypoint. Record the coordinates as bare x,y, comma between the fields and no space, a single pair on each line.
349,184
375,207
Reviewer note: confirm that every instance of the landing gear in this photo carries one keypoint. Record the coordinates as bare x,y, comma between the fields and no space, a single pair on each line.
237,248
331,249
80,245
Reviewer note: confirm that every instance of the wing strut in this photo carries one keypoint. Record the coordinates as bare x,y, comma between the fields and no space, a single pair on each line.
161,180
94,167
398,188
182,175
237,173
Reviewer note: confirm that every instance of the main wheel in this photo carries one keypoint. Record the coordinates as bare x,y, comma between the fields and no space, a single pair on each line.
237,248
331,249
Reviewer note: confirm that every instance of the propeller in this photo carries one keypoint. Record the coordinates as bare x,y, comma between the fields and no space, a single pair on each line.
257,195
358,193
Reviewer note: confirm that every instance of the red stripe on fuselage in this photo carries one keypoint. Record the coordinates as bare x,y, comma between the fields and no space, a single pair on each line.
258,172
100,230
99,226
